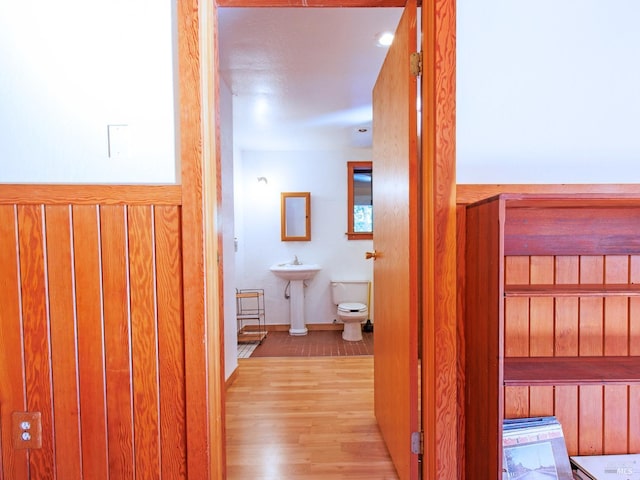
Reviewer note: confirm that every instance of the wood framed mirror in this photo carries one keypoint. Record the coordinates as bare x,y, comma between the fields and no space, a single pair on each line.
295,216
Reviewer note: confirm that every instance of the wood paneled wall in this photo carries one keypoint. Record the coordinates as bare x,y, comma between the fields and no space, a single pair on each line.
595,419
92,333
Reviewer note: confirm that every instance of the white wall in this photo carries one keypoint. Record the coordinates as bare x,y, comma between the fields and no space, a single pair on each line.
547,91
72,67
324,175
226,223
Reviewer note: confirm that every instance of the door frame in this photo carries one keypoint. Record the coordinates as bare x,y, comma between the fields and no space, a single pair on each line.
200,170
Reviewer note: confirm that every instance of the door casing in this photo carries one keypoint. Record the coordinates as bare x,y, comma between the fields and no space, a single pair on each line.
200,160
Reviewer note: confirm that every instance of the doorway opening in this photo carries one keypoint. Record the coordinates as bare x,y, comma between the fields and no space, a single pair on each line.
321,127
295,89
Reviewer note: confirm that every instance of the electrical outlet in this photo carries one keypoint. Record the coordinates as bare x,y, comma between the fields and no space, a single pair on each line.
26,428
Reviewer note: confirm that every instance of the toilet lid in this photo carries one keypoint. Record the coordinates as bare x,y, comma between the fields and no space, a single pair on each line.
352,307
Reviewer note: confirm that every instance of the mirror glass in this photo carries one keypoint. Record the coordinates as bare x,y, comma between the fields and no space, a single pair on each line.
295,213
359,200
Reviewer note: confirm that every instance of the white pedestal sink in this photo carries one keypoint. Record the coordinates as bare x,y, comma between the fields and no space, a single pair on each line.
296,274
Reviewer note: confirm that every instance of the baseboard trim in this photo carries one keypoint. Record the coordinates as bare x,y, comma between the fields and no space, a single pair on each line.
232,378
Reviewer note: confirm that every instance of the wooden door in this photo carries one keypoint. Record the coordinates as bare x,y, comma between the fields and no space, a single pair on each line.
395,239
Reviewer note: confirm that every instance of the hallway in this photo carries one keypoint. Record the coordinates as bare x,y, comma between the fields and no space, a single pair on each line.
304,418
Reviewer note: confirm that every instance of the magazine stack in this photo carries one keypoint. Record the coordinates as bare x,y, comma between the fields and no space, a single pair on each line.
534,448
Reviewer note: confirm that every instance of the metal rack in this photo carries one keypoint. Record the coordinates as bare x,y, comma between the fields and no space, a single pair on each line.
250,315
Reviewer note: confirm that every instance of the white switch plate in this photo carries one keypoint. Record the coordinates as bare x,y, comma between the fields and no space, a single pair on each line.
118,139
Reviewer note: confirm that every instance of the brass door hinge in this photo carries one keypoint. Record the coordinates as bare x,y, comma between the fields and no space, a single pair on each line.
415,64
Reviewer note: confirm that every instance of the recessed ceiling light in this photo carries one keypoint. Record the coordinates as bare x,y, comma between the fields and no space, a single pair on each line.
384,39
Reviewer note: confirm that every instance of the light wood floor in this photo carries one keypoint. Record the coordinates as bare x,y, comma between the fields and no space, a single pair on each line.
304,418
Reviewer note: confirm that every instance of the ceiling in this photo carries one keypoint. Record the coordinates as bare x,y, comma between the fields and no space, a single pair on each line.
301,78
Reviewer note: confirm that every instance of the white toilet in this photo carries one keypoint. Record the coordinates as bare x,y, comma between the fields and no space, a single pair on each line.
352,299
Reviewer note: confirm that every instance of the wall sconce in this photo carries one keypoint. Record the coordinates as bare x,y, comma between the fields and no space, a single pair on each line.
262,181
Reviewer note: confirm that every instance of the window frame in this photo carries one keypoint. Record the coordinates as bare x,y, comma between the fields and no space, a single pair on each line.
351,168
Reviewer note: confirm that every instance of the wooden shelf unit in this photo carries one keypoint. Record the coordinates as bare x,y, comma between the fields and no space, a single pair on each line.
250,315
552,321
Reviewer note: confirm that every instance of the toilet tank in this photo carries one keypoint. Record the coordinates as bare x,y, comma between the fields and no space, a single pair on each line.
342,292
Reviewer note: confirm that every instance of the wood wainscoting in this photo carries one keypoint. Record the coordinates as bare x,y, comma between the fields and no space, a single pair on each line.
92,331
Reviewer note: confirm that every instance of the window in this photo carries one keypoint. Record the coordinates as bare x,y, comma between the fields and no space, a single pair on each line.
359,201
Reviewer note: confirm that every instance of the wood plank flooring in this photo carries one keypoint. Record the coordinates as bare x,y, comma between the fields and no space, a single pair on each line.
304,418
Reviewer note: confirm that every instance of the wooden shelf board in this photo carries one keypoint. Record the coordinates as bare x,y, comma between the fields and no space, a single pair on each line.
573,290
249,294
522,371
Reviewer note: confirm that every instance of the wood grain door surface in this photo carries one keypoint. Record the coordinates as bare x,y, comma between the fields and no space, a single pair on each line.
395,238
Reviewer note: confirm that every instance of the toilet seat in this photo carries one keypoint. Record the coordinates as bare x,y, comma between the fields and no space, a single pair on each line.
352,308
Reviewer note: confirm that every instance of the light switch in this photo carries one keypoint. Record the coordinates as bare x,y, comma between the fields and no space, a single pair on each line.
118,141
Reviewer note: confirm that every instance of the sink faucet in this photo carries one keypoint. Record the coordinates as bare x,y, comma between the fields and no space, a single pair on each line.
296,261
